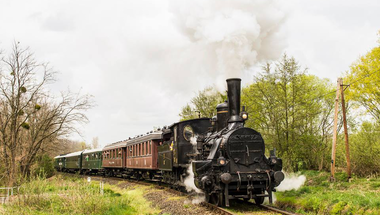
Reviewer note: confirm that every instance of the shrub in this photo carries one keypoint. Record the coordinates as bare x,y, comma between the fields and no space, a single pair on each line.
44,166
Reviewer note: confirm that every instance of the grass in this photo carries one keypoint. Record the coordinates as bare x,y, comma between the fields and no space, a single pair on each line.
319,196
72,195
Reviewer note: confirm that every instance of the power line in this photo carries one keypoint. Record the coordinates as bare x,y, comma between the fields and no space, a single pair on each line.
353,82
366,76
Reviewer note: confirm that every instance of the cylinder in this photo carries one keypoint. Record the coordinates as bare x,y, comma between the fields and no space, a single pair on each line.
233,86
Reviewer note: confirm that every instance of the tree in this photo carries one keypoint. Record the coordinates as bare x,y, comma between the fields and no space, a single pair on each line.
204,103
364,79
95,143
30,117
291,110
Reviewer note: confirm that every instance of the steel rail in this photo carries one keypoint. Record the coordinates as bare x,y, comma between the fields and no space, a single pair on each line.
271,208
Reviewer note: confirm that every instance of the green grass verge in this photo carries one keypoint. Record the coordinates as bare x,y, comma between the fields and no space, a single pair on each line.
319,196
72,195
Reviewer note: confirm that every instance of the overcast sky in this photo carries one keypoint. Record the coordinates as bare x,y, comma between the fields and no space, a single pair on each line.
144,60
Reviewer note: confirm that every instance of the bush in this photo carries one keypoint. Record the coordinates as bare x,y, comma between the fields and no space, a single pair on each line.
44,166
365,150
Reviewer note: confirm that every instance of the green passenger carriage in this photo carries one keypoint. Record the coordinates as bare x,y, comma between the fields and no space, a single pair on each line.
92,160
59,163
73,161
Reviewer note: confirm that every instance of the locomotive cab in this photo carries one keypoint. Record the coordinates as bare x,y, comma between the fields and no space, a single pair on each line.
178,148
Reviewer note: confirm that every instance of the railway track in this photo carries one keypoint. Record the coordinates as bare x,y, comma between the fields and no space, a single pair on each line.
270,208
210,206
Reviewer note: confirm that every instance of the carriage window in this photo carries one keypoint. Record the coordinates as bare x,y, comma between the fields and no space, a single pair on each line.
188,132
119,153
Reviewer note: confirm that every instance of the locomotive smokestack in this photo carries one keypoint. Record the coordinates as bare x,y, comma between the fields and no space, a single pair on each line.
233,93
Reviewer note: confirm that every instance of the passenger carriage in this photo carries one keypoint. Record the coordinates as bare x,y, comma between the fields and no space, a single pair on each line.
92,161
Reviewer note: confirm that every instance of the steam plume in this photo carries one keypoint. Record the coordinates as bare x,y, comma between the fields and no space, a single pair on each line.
232,35
292,181
189,180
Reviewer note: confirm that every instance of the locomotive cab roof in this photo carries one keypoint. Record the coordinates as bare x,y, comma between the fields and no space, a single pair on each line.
188,121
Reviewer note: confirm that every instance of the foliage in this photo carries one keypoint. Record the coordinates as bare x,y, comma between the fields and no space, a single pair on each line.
44,166
204,103
364,150
364,79
71,195
319,196
292,110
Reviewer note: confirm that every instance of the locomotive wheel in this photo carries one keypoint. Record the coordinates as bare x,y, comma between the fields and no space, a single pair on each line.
216,199
259,200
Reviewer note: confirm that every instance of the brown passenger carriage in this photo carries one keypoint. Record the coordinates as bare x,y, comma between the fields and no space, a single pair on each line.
114,158
136,157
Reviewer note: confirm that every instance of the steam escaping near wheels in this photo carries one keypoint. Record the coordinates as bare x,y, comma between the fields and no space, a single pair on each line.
189,181
292,181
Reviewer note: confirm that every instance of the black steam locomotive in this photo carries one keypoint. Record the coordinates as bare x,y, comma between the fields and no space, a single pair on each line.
231,162
226,158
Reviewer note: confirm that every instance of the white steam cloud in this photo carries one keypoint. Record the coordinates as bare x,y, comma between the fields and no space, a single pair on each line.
189,180
231,35
292,181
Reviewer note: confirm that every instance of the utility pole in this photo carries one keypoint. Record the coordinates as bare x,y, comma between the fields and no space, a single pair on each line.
345,131
340,92
332,178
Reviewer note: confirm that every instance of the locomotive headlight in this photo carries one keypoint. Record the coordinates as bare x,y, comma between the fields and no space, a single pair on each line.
274,160
222,161
244,116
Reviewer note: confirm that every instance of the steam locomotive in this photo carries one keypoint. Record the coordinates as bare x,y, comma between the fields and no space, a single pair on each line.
227,159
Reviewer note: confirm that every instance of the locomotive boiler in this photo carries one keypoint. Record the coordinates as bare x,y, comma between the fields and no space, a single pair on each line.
231,161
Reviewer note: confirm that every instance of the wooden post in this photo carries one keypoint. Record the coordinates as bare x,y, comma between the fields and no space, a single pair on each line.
345,132
332,178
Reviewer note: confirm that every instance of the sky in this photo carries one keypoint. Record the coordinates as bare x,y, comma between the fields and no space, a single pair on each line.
144,60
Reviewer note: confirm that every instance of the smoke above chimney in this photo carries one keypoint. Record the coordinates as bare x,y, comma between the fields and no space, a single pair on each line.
232,35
